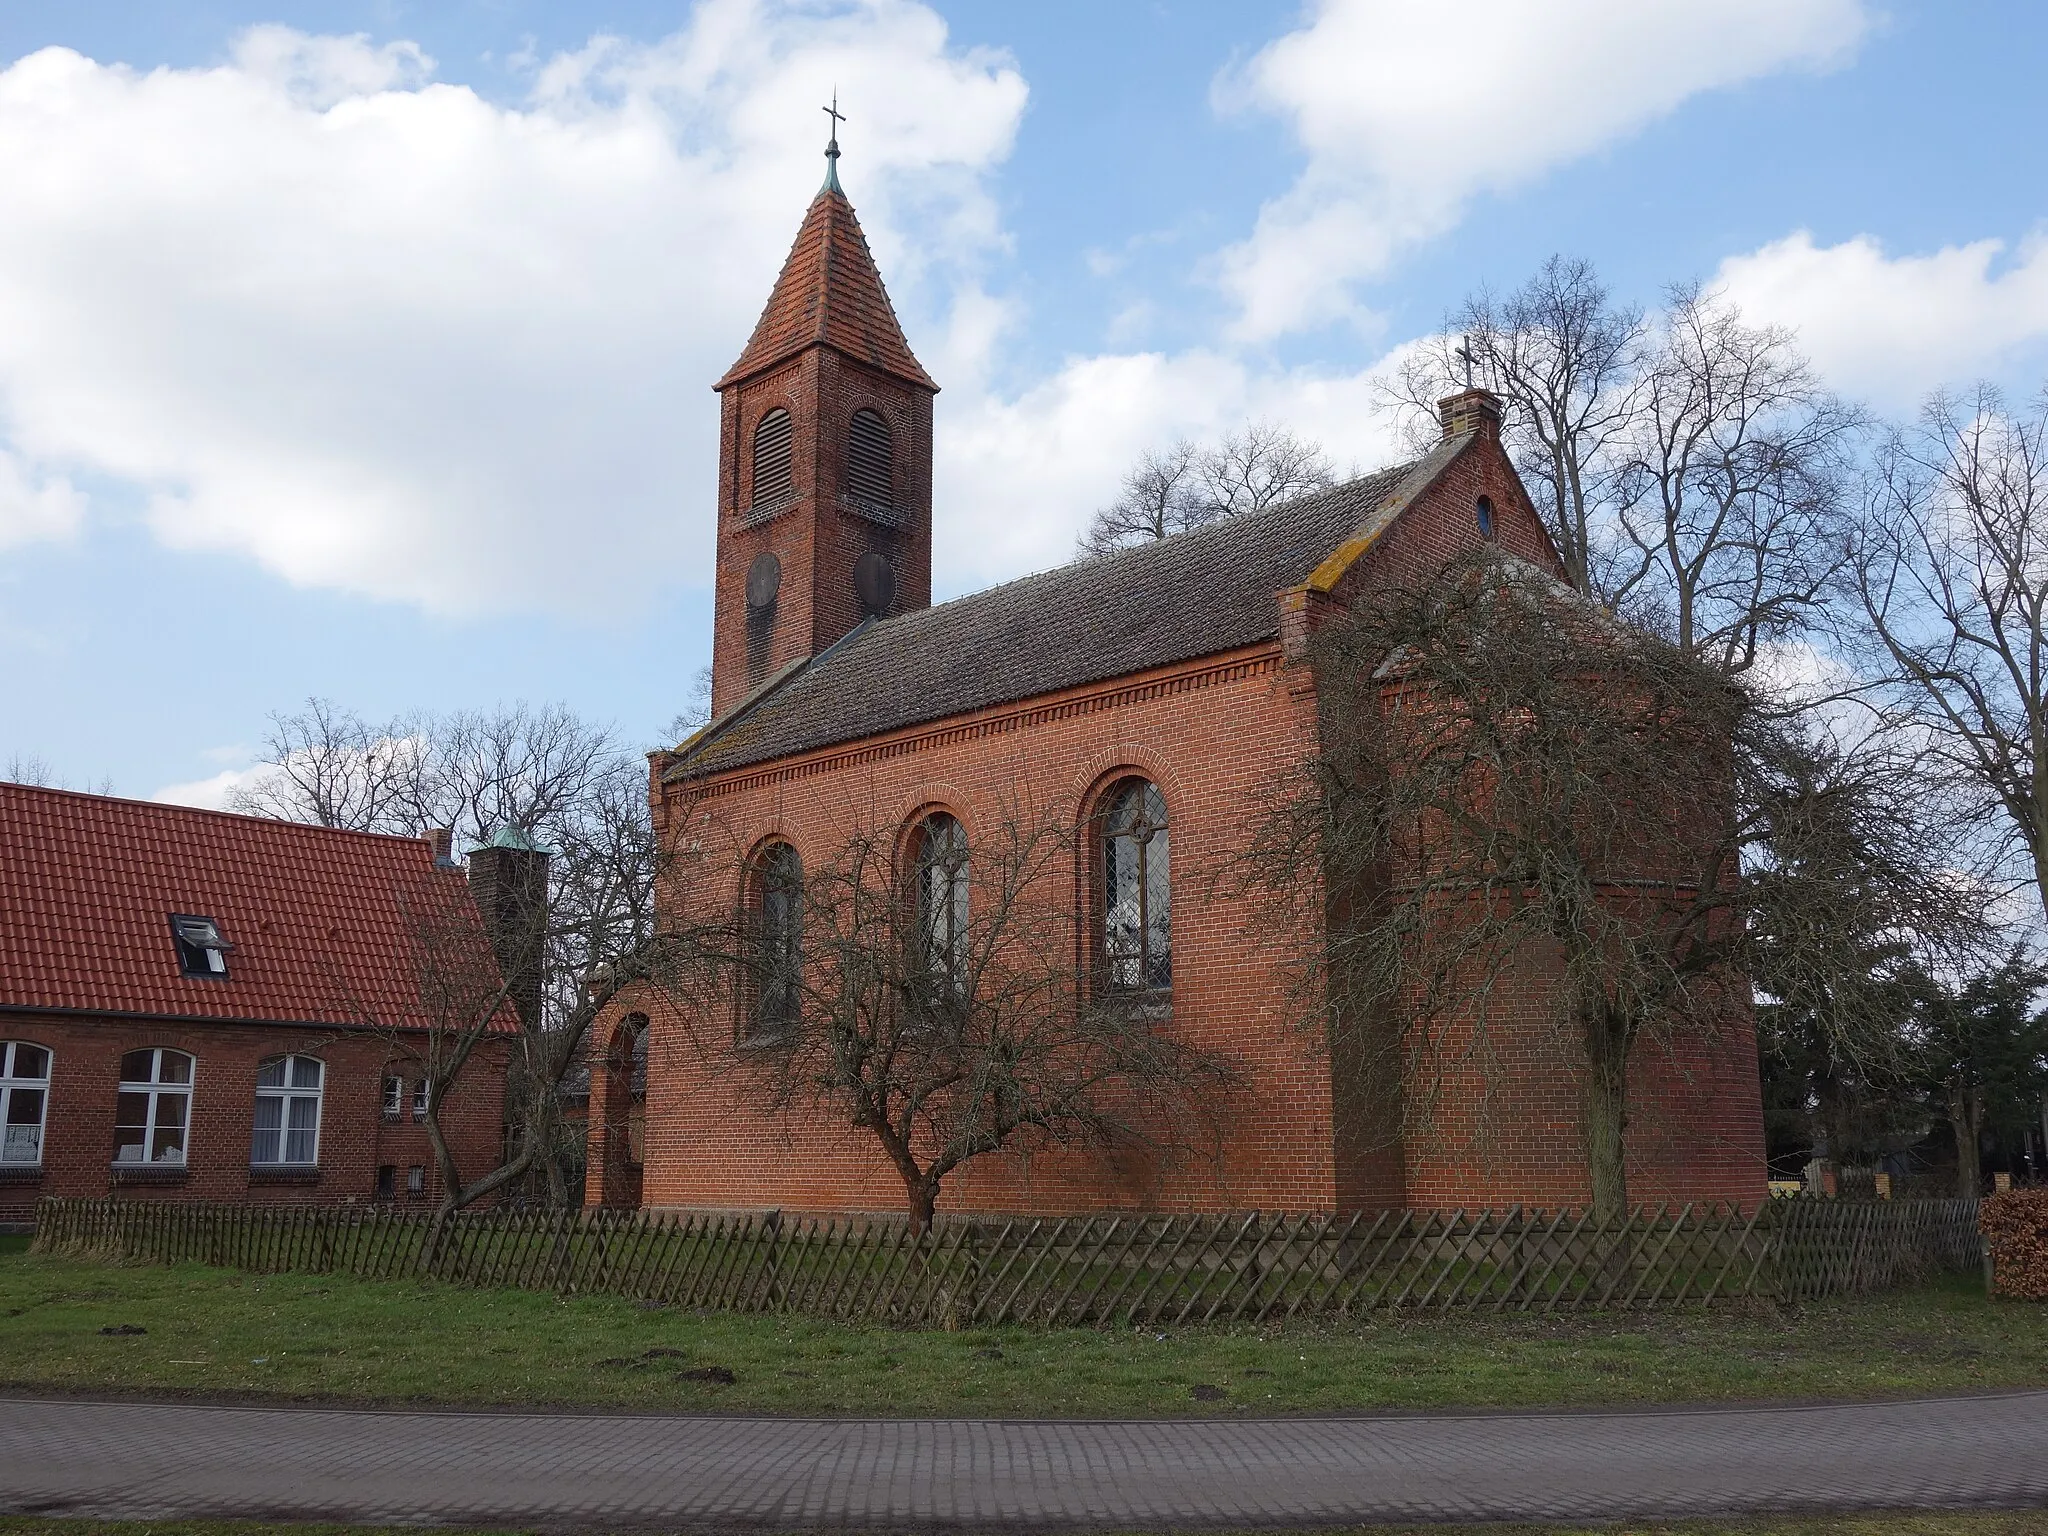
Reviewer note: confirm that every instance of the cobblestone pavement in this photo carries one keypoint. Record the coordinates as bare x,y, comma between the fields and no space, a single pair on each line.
159,1461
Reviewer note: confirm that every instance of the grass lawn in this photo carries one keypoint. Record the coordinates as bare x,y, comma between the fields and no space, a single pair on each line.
2023,1524
88,1327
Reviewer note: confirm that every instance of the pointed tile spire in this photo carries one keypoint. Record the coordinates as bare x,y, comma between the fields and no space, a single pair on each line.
829,294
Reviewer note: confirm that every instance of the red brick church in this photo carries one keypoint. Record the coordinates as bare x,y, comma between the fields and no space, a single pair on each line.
1160,687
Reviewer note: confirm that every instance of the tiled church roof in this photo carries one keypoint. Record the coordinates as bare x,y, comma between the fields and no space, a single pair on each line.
317,917
1194,594
829,292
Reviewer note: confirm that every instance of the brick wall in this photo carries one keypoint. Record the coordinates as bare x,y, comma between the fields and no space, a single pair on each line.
1212,737
355,1140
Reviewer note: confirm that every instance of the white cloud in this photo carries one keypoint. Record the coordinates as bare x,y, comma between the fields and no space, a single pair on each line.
211,794
1028,472
1406,109
36,506
382,335
1893,328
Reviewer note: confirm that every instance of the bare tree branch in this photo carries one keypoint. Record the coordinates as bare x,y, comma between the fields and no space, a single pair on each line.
1185,486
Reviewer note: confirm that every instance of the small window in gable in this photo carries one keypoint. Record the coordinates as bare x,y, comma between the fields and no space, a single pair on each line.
1483,513
870,459
773,440
201,949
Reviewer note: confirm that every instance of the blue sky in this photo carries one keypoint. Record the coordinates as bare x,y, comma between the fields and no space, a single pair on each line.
362,350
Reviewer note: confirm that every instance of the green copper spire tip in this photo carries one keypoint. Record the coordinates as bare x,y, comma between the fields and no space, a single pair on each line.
832,146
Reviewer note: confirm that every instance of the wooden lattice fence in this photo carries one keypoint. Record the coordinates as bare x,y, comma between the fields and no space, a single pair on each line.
1074,1270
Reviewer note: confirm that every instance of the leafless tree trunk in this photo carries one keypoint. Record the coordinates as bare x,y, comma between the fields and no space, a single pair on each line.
1966,1118
1950,571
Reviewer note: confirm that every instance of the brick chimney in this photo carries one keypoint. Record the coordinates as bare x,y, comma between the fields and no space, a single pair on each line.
442,841
1470,410
508,880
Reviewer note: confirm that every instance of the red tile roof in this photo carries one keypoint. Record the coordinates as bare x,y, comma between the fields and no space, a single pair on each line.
318,917
829,294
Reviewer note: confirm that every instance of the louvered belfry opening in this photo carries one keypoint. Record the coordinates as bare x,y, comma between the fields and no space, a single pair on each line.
870,460
772,443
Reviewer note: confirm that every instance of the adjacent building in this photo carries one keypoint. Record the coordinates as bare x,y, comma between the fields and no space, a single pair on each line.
204,1006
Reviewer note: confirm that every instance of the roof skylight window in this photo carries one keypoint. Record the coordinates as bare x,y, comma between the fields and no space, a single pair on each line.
201,949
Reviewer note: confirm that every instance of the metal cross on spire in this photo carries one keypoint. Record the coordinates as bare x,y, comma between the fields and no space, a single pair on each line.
1464,354
832,144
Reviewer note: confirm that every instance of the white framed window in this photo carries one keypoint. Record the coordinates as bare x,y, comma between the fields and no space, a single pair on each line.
394,1099
287,1113
419,1102
24,1101
154,1108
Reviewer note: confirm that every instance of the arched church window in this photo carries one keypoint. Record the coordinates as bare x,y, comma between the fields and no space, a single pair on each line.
941,874
870,458
1137,928
775,960
773,439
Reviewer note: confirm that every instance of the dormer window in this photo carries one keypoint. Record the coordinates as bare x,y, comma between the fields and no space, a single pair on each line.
201,949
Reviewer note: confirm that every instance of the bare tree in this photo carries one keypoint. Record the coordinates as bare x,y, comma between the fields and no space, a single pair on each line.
1259,466
527,959
1185,486
1161,495
1950,571
696,714
1735,496
1531,824
28,768
931,1002
1567,363
563,947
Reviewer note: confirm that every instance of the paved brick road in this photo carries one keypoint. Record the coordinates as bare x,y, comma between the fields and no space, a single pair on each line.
157,1461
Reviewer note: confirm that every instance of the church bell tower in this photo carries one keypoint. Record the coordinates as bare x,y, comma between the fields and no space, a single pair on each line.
824,460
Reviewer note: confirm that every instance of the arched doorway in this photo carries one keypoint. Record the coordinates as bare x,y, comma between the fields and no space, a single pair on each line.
619,1101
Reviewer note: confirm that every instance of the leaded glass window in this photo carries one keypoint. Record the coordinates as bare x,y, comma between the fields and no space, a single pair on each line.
942,900
778,939
1137,929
